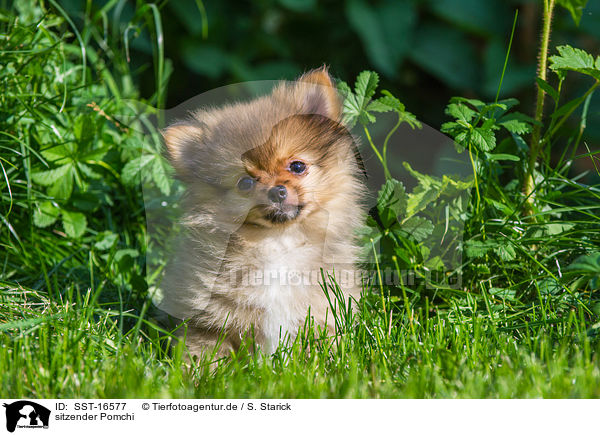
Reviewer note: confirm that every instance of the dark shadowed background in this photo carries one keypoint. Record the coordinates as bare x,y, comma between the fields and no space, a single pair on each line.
425,51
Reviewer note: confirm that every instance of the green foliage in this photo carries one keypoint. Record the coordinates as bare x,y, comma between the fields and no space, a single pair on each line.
66,192
73,290
477,122
575,59
575,7
383,30
403,228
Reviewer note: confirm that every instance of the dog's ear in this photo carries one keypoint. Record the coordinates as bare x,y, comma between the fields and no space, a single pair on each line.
318,94
182,140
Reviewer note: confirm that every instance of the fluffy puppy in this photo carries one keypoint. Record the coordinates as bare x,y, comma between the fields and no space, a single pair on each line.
274,191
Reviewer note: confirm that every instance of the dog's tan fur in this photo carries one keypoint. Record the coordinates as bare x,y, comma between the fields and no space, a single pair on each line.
211,151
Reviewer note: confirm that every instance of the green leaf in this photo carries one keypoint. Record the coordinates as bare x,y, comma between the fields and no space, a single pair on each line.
47,178
417,227
161,175
366,84
498,157
63,187
588,264
106,240
343,87
553,229
132,170
483,139
393,196
506,252
364,21
421,197
505,209
575,59
84,129
45,214
503,293
515,126
388,100
74,223
460,112
547,88
58,154
355,104
575,7
477,249
478,104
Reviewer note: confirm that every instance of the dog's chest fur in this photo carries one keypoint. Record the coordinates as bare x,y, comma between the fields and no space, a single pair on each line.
281,283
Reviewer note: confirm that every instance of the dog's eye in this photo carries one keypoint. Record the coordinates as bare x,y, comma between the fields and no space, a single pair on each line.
246,183
297,167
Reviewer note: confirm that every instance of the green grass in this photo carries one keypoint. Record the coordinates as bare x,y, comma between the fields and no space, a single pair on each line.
79,350
76,319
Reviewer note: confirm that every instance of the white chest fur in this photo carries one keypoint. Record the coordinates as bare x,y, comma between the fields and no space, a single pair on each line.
282,280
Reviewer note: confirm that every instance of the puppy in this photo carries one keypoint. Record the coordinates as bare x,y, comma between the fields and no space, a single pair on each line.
274,195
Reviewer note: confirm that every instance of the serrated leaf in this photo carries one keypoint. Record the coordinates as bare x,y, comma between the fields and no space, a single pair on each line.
378,106
419,228
575,59
89,172
366,84
63,187
421,197
506,252
84,129
366,118
477,248
450,127
393,196
483,139
74,223
47,178
460,112
45,214
132,170
478,104
343,88
160,176
351,110
387,102
515,126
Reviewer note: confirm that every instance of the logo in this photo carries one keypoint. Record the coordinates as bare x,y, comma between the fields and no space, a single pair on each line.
26,414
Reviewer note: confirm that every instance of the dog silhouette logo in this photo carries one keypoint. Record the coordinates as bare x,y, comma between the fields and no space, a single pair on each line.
26,414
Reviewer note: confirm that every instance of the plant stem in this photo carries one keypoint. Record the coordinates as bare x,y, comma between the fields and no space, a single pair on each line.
534,147
378,154
385,142
474,175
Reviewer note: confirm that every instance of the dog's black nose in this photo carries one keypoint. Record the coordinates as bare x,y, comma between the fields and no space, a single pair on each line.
277,194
